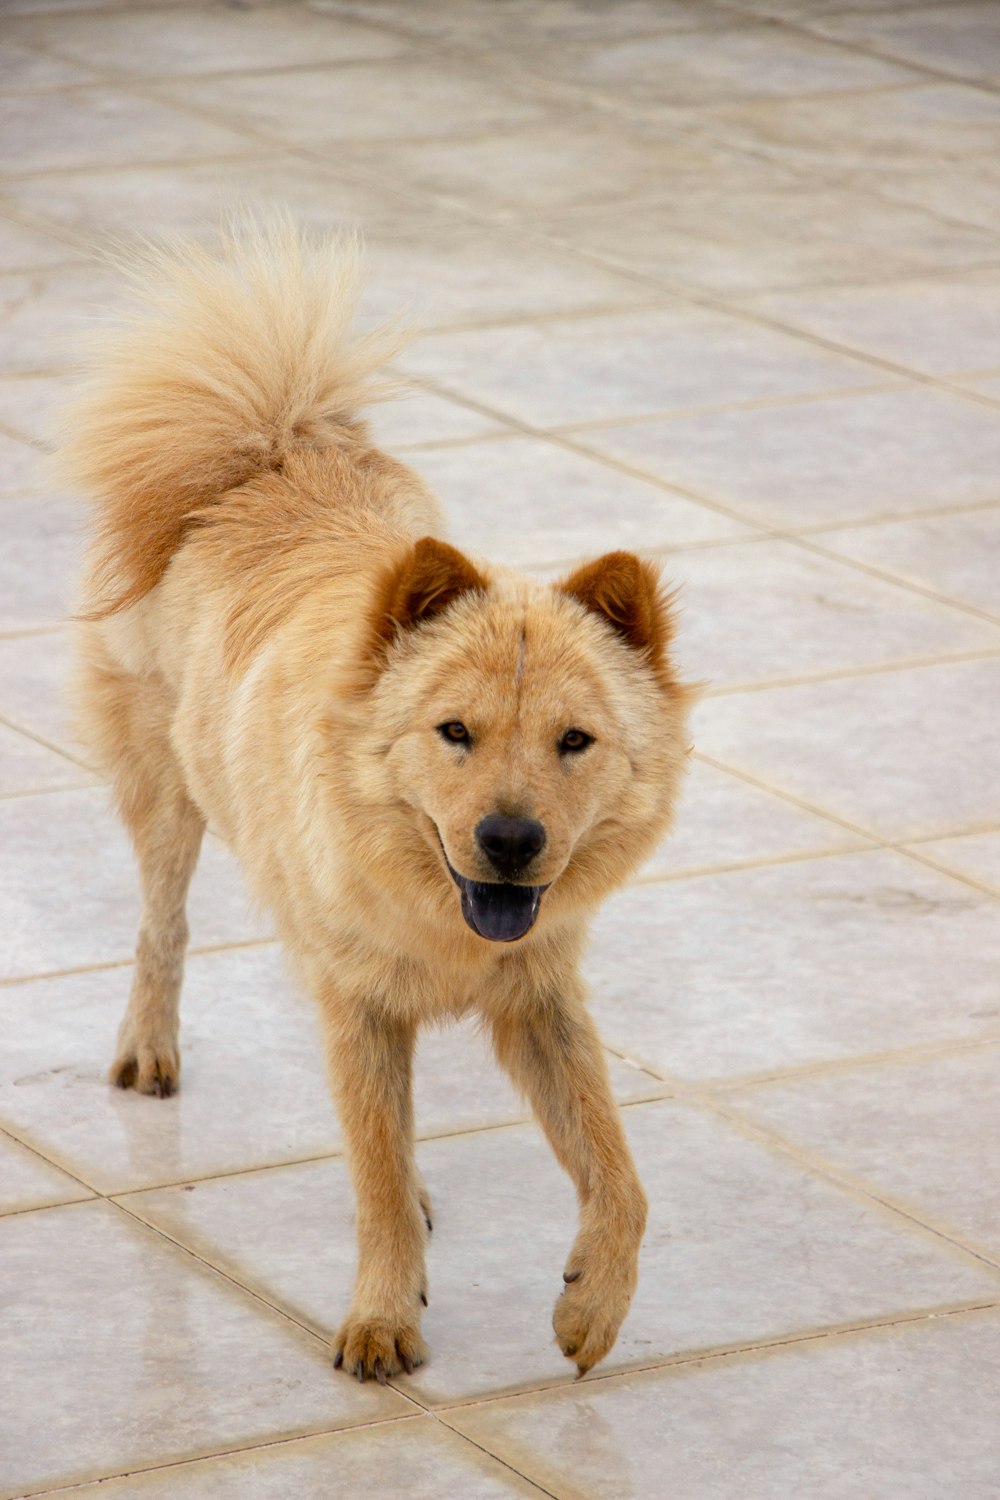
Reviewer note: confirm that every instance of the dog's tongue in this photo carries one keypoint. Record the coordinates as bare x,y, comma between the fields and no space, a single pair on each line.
501,913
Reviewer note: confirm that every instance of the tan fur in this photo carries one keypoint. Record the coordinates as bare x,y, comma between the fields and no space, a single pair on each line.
272,636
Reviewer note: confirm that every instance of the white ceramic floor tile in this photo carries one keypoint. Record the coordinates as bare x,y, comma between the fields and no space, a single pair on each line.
28,1181
156,1358
826,462
34,670
205,39
39,561
955,38
24,249
584,369
975,854
526,502
369,101
194,197
957,555
758,612
69,893
27,766
906,1130
30,404
902,1411
416,418
50,316
742,1244
22,468
722,820
940,326
246,1032
908,754
418,1457
101,127
758,970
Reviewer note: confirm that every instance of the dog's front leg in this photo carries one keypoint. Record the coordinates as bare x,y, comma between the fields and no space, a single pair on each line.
553,1053
370,1056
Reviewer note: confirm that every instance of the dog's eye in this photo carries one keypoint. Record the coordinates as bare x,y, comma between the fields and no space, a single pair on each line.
455,733
573,741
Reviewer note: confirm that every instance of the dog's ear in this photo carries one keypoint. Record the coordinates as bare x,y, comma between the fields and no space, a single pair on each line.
627,593
424,582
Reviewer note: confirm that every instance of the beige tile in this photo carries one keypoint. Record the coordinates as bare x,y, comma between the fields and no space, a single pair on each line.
448,272
738,62
975,854
156,1358
774,968
957,555
247,1032
523,501
574,164
522,23
583,369
204,39
31,406
370,101
33,675
24,249
22,468
824,462
879,135
941,326
969,190
98,127
28,1181
418,1457
906,1130
22,68
760,611
69,894
49,316
26,766
742,1244
194,197
899,1411
415,418
910,754
724,821
39,561
954,38
750,238
990,386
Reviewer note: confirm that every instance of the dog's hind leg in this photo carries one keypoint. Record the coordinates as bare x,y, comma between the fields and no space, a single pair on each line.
553,1053
126,719
371,1058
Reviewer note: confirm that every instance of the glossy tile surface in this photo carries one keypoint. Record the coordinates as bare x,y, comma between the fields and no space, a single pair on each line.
712,280
741,1245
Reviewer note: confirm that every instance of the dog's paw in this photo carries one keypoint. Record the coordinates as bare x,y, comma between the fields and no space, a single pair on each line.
376,1348
591,1309
148,1070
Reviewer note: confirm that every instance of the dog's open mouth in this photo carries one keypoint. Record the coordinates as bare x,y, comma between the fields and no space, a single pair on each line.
498,910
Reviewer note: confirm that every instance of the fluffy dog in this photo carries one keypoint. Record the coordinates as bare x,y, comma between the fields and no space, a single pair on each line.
431,770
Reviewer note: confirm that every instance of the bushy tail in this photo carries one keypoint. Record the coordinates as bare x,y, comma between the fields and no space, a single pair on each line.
234,359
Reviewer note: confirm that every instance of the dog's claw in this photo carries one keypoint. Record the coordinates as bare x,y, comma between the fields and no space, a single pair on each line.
338,1359
569,1276
380,1373
430,1226
581,1371
407,1363
360,1373
423,1298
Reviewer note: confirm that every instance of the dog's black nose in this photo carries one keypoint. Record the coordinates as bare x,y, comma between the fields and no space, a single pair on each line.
510,843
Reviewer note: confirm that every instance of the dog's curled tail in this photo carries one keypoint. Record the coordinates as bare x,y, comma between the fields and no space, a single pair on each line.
234,358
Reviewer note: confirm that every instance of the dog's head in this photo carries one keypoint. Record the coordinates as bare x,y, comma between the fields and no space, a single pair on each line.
530,736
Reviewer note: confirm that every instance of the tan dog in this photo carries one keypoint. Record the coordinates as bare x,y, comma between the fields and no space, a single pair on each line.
432,771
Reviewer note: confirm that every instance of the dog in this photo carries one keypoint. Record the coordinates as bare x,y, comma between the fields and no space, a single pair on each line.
431,770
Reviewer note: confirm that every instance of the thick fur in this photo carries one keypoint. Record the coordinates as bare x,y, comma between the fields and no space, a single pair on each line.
271,635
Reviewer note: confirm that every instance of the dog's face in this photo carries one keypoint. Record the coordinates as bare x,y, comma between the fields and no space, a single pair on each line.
533,735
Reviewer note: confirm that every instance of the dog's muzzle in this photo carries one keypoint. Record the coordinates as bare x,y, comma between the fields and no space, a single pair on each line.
498,910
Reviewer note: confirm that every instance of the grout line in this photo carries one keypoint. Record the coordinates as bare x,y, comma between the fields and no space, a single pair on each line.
843,674
126,963
720,1353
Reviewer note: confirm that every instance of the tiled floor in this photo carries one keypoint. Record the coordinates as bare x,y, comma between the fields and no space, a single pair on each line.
715,279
